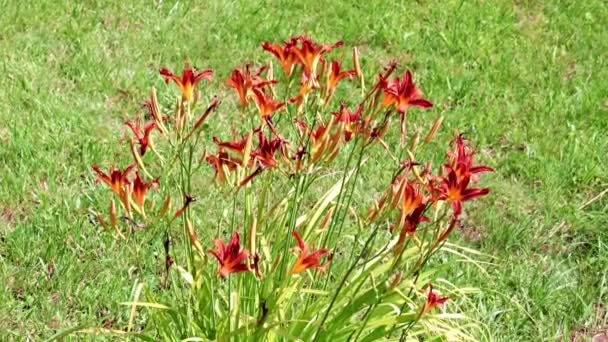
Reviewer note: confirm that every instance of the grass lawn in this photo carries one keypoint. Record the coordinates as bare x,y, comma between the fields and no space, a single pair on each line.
527,81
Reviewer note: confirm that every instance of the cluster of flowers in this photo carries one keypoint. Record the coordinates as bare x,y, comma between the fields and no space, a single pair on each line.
413,192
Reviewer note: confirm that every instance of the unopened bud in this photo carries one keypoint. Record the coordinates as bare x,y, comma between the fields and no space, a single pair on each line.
434,130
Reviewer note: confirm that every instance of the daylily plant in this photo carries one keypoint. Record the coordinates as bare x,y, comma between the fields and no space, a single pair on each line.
294,181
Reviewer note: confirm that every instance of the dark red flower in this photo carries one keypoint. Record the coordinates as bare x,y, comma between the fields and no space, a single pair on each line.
188,81
237,146
433,300
266,150
232,258
143,135
308,259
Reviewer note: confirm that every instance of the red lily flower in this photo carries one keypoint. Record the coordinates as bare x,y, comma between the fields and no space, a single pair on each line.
144,137
413,206
412,199
266,105
462,159
188,81
284,54
237,146
308,259
140,189
309,55
266,150
433,300
456,190
334,76
244,82
223,164
116,179
232,258
409,224
404,94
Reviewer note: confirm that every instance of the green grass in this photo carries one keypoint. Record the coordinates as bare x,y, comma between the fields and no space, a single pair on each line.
527,80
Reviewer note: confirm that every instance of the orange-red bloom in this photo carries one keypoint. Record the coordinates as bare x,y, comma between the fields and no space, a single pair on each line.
143,136
140,189
116,179
413,206
403,94
244,82
188,81
335,76
433,300
284,54
462,159
264,154
456,190
232,258
310,54
266,105
308,259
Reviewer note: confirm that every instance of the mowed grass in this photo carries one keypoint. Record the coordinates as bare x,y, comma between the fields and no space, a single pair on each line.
526,80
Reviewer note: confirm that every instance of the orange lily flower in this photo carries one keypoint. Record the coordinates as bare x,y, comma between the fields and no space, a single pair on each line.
244,82
413,206
284,54
116,179
188,81
144,137
266,105
433,300
232,258
310,54
140,189
308,259
335,76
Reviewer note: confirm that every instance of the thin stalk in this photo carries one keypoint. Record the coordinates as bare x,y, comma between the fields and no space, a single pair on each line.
343,282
